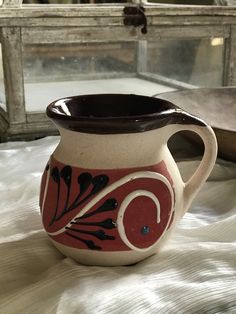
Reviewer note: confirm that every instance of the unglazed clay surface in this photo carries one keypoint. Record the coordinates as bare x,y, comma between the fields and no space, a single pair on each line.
111,192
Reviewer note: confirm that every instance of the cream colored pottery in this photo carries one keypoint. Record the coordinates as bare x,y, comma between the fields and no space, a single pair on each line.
111,193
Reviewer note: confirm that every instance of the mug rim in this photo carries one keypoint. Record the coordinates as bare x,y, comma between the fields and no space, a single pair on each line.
93,113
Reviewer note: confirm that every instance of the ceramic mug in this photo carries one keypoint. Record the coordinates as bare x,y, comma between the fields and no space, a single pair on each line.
111,193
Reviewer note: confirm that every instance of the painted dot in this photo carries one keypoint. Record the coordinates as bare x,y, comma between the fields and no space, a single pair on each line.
145,230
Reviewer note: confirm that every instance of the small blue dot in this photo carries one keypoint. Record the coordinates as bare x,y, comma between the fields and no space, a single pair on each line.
145,230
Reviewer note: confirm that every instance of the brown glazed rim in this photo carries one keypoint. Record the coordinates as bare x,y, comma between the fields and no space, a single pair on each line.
116,113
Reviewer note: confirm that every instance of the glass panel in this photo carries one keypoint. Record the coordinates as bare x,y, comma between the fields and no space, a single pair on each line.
2,89
188,2
148,68
55,71
194,61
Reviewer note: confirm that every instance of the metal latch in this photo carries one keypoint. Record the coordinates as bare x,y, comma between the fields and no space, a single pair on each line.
135,16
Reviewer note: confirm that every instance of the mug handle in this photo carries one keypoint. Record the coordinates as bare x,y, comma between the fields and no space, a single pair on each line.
188,122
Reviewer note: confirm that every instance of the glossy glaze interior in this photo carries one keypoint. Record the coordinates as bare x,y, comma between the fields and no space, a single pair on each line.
109,106
116,113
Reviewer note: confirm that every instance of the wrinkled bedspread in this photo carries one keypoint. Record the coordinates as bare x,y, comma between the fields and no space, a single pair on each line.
194,273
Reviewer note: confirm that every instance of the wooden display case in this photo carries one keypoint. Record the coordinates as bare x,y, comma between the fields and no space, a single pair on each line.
52,51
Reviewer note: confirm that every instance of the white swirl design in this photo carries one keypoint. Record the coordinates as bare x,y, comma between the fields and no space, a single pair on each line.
45,192
122,209
126,202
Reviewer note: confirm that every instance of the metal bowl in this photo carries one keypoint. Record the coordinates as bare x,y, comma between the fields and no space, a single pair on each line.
217,106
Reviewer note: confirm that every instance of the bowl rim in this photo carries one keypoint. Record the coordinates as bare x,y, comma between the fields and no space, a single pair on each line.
196,90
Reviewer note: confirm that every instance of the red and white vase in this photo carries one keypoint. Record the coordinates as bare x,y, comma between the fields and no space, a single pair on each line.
111,192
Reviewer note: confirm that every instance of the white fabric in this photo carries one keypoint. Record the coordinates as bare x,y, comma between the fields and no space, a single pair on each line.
195,272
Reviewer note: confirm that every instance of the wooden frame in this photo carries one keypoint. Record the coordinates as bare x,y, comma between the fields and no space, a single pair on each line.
28,24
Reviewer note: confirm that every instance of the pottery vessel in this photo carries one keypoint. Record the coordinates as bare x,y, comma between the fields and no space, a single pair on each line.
111,193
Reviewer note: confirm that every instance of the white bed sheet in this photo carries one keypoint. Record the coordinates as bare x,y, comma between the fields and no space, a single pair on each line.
195,272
